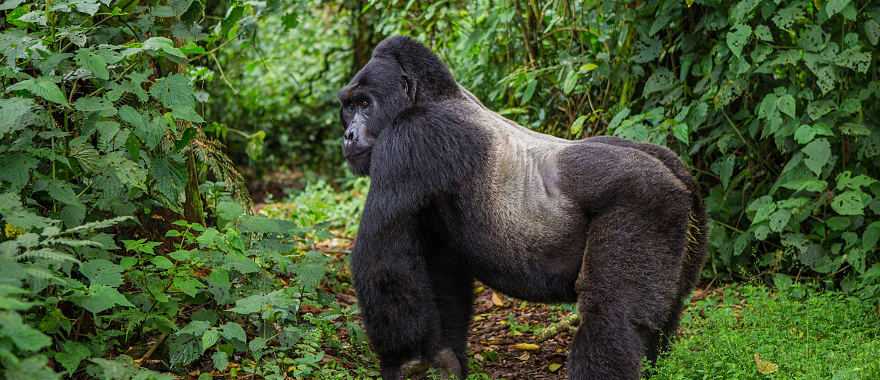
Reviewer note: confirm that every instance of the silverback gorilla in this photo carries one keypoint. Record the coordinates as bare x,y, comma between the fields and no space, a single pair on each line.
460,193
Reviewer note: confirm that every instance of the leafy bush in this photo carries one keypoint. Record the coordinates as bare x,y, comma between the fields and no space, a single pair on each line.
248,292
279,104
775,104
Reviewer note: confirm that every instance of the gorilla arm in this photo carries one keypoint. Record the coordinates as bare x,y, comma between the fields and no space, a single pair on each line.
413,161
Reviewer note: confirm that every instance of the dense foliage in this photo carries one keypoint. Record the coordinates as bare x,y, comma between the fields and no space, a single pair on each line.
108,179
128,243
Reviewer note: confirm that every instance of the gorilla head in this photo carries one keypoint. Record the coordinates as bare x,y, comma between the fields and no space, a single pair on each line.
383,89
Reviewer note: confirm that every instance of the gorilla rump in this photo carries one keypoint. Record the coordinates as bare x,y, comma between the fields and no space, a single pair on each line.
460,193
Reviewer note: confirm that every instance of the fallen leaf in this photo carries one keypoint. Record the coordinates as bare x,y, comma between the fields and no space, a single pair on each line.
497,300
524,357
765,367
526,347
553,367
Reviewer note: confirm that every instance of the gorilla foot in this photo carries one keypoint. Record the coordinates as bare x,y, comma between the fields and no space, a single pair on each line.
448,364
445,362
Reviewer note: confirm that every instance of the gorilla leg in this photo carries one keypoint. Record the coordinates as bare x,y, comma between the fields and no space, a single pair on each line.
452,284
627,290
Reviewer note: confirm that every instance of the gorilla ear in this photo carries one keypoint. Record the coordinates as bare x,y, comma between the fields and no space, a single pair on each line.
409,87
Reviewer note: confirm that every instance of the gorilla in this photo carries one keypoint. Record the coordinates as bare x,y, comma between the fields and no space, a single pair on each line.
460,193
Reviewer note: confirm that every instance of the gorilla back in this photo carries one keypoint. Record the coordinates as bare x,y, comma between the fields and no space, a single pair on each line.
459,192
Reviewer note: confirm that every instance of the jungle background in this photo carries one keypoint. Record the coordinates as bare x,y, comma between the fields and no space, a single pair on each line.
174,204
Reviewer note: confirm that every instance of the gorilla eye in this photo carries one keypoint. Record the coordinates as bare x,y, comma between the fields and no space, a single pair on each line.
363,103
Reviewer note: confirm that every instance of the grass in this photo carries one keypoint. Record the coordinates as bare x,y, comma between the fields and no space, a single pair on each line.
794,334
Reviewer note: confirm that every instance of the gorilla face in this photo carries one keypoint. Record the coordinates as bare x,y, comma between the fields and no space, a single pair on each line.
369,103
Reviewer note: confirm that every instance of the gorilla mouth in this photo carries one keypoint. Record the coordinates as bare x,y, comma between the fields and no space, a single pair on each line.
356,154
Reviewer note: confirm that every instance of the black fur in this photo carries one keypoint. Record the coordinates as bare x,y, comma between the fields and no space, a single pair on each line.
460,193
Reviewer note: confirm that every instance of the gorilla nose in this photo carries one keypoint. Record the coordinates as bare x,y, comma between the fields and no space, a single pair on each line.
349,135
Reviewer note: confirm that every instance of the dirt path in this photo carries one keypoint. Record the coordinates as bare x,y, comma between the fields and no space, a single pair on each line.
513,350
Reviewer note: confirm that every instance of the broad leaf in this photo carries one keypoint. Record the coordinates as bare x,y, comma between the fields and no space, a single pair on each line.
42,87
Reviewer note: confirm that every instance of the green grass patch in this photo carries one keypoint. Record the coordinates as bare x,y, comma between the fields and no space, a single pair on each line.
797,334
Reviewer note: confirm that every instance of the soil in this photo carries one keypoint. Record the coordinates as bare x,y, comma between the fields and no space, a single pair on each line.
499,349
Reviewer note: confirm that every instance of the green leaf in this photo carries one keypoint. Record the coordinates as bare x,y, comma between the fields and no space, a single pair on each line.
578,126
32,368
17,215
186,113
170,179
681,133
767,107
257,345
164,45
71,355
311,269
183,350
148,132
102,272
854,59
18,167
13,112
25,337
162,262
851,202
279,299
587,67
872,31
779,219
233,331
95,104
570,81
94,63
42,87
871,236
785,18
180,6
210,338
219,286
646,51
818,153
737,38
10,4
100,298
262,224
806,133
220,360
838,223
661,80
835,6
188,285
762,32
195,328
786,105
173,91
250,304
530,90
724,168
820,108
845,180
